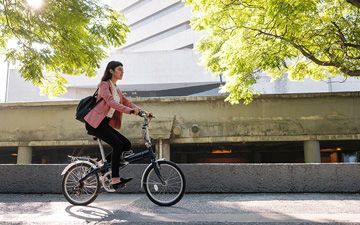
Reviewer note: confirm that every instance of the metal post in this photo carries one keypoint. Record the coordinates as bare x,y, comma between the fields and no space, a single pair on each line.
101,150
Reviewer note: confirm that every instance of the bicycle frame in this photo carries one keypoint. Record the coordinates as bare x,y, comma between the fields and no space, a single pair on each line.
148,153
162,181
140,155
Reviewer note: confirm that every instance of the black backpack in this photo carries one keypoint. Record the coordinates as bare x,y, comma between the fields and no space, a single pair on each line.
85,105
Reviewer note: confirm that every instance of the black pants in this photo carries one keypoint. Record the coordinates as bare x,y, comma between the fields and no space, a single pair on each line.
117,141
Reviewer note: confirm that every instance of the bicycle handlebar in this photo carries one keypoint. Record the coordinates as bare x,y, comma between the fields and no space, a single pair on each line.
146,115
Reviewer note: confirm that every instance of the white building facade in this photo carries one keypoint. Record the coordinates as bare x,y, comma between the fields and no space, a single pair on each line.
159,60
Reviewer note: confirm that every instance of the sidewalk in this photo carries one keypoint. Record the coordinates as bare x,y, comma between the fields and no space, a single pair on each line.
193,209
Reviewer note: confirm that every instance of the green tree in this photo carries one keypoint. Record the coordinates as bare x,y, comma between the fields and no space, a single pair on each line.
301,38
61,37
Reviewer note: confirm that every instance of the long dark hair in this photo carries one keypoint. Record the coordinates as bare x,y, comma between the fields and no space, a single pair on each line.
110,66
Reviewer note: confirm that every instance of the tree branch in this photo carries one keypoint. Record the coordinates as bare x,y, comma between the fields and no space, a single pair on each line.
309,55
342,36
354,2
343,39
352,73
352,45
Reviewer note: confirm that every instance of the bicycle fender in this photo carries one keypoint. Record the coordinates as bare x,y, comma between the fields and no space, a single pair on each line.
77,162
142,178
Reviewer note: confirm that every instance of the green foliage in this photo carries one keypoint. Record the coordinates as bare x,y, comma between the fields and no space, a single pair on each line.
61,37
302,38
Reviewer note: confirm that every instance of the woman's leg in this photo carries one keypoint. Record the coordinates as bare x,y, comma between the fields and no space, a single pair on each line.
116,155
125,141
107,134
95,132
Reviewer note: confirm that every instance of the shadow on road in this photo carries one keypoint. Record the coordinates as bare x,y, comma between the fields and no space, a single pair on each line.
89,213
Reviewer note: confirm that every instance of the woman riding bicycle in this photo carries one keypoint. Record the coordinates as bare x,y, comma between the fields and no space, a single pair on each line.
106,116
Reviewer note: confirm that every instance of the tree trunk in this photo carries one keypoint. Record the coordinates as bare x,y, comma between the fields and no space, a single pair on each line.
354,2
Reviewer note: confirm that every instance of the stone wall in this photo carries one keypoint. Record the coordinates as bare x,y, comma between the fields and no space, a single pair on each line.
200,178
294,117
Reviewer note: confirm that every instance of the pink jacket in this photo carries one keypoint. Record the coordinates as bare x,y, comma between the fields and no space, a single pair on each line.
99,112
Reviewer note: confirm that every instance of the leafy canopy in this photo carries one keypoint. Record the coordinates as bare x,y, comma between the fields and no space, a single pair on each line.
302,38
60,37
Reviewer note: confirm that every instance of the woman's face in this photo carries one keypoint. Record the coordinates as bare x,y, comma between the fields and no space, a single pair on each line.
118,73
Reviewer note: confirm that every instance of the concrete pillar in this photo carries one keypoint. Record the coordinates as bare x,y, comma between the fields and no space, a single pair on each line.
24,155
163,149
312,152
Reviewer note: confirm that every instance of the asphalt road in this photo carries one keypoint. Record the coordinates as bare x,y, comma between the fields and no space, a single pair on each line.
192,209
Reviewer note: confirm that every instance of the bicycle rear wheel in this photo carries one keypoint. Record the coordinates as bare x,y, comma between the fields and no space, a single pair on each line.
80,193
168,192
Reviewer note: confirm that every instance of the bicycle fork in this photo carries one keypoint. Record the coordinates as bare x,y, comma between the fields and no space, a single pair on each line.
156,167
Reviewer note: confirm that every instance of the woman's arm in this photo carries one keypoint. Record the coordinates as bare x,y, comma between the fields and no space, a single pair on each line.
127,102
105,93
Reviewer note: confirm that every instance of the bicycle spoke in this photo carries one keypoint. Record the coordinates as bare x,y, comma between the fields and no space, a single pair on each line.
77,192
172,178
168,191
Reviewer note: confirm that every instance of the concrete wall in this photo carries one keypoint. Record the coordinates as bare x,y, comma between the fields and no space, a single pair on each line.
204,178
296,117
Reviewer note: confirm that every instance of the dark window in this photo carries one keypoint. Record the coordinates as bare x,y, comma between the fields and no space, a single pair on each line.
8,155
59,155
347,151
246,152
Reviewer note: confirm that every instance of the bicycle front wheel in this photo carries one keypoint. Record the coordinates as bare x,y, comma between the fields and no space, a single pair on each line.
80,193
167,190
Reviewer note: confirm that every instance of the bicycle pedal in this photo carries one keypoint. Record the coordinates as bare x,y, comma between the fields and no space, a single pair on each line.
124,163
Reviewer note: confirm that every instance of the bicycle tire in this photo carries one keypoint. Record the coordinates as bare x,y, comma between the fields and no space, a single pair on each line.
65,184
152,187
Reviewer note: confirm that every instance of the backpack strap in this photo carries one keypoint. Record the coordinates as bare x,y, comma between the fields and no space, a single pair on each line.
95,94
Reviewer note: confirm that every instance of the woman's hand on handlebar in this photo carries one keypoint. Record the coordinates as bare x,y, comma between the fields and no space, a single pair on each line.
150,116
136,111
144,113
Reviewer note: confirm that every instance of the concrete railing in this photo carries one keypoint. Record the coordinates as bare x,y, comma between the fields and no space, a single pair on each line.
293,117
204,178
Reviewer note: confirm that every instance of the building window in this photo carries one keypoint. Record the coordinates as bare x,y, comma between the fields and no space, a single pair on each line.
59,155
264,152
8,155
246,152
347,151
